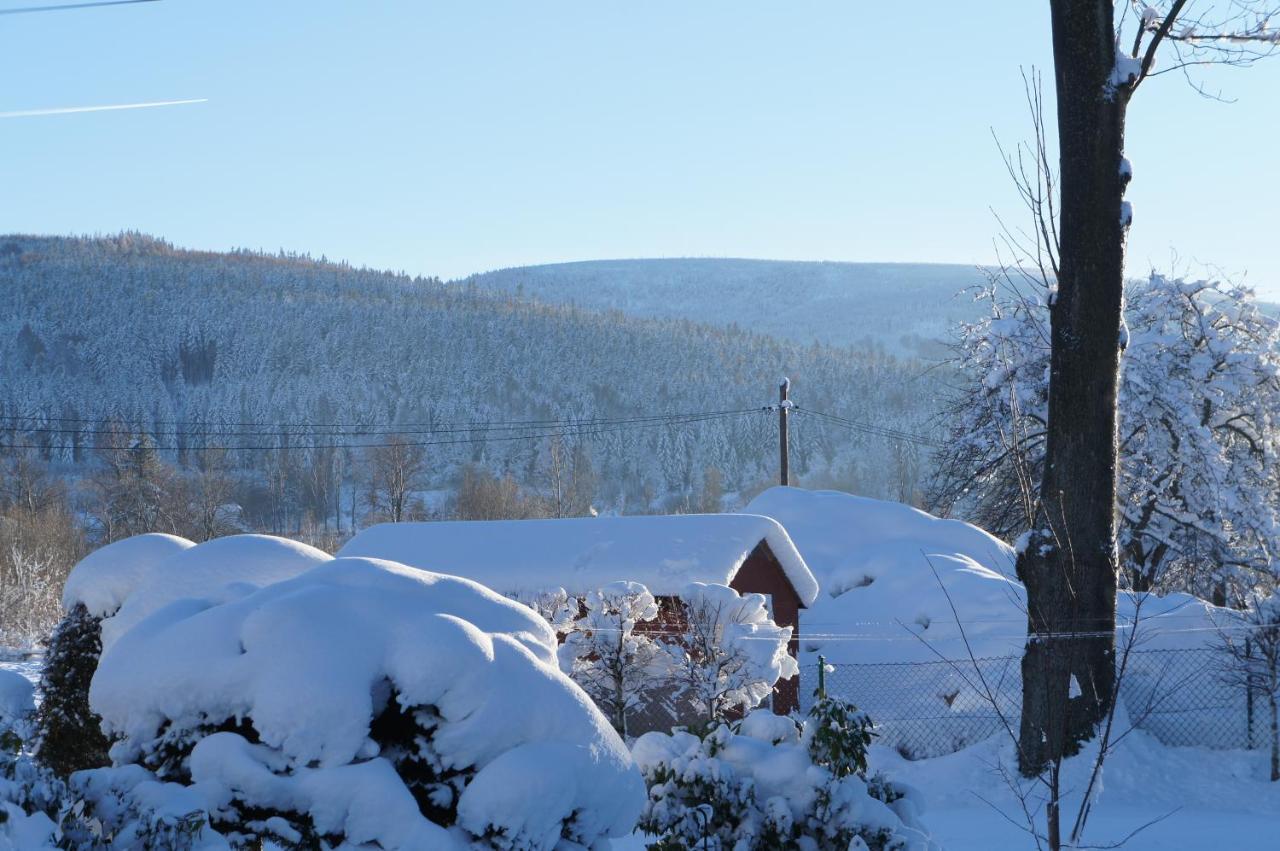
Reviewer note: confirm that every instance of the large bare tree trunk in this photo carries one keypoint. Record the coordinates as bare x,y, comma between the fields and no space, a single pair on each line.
1069,564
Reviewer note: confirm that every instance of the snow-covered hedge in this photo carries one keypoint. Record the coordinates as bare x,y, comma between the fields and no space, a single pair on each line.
361,702
769,782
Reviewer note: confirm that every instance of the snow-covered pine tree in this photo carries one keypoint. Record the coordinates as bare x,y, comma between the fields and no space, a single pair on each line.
68,734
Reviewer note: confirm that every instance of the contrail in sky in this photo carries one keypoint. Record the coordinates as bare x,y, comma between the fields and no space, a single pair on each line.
68,110
25,9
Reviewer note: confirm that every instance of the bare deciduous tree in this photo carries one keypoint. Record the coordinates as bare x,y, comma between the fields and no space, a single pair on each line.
133,491
211,489
1251,643
485,496
395,469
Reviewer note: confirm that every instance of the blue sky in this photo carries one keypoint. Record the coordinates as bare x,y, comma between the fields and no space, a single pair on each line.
446,138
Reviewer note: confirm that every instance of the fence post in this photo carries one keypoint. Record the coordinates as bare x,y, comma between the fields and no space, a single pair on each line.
822,677
1248,692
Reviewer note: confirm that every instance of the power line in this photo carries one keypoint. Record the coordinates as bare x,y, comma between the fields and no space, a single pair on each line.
263,427
569,431
874,430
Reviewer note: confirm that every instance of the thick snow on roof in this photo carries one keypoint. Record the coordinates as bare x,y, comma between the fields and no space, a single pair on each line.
883,566
842,536
876,562
308,662
664,553
232,564
105,577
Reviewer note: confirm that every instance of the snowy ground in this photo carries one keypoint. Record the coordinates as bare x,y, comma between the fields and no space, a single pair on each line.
27,664
1197,799
1202,798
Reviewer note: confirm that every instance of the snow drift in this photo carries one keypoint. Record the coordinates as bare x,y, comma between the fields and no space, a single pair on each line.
236,563
883,567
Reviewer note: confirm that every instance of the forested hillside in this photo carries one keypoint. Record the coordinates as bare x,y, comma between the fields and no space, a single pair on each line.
905,308
288,359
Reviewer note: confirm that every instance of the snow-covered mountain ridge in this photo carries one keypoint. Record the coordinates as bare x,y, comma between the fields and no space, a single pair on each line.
186,342
904,307
907,308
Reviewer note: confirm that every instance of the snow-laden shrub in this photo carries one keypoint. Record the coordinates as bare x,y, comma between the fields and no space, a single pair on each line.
362,702
621,669
105,578
30,796
769,782
728,653
207,568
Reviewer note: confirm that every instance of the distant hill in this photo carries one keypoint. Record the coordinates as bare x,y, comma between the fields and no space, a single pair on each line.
904,307
185,343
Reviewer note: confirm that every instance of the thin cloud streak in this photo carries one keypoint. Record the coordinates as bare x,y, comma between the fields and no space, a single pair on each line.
70,110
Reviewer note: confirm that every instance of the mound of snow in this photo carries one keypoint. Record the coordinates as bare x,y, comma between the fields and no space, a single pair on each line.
279,691
883,566
232,565
104,578
17,697
847,539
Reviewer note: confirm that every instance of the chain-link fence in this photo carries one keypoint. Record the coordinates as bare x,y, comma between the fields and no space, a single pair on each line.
925,709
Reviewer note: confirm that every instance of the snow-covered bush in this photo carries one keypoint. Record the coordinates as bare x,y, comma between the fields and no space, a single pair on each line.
30,796
763,784
728,654
621,669
557,606
362,702
839,735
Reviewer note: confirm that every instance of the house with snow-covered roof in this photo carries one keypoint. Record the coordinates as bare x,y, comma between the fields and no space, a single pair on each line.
749,553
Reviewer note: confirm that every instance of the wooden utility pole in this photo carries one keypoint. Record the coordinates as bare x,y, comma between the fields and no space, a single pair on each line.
784,454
